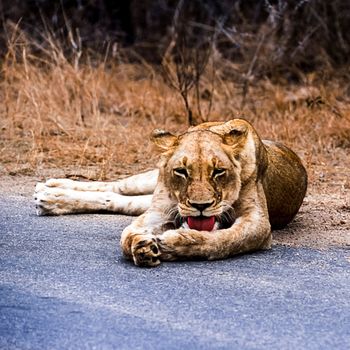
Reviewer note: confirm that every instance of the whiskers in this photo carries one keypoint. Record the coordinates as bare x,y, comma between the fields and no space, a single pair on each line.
174,219
227,217
171,212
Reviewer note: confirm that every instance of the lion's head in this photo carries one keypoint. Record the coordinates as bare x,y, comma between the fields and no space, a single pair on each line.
205,168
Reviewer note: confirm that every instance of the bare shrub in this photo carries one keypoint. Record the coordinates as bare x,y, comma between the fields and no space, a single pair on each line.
186,59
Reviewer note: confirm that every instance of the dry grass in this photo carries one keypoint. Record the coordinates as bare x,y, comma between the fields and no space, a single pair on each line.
92,117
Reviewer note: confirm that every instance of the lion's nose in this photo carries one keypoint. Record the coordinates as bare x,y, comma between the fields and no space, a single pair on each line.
201,206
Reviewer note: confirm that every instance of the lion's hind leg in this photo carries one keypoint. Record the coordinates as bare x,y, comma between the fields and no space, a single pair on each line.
59,201
139,184
129,196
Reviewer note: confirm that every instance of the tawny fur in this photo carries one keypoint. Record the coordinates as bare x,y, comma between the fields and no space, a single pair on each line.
260,183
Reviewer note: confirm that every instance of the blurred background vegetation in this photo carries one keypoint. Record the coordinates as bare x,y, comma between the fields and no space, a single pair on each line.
279,38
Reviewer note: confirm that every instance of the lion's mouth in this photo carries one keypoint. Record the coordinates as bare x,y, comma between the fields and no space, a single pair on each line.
201,223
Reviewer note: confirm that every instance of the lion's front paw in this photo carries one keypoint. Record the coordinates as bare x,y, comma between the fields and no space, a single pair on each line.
145,251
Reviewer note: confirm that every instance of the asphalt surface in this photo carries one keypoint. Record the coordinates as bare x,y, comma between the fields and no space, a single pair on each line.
65,285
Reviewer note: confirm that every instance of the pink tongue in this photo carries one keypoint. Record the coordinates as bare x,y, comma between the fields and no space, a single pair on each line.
201,223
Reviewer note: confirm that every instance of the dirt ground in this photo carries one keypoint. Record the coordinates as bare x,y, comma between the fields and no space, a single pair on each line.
322,222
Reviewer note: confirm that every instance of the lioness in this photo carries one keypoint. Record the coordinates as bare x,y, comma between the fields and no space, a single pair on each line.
218,192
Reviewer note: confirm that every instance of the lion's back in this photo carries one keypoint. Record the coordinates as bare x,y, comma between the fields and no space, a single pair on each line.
285,183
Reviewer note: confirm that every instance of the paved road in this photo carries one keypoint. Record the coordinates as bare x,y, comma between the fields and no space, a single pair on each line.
65,285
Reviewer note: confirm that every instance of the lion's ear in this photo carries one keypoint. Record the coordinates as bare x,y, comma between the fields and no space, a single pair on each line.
164,140
234,131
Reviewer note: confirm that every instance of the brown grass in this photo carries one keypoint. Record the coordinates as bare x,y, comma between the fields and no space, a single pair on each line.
92,117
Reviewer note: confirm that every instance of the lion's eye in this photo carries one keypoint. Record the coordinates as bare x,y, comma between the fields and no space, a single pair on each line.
218,172
181,172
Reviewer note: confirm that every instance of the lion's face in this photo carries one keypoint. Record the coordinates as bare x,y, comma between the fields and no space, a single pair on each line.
202,172
202,178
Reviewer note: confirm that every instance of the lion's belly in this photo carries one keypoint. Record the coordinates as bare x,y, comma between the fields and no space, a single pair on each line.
285,184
